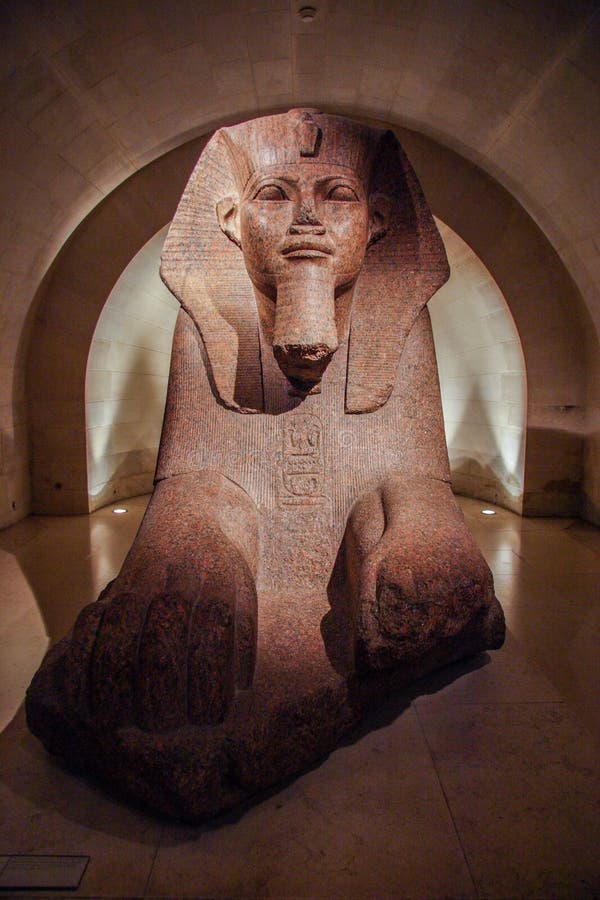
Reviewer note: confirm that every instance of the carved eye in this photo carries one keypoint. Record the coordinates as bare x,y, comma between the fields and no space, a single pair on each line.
343,193
270,192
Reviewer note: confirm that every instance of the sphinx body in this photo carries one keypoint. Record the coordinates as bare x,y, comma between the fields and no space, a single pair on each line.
302,552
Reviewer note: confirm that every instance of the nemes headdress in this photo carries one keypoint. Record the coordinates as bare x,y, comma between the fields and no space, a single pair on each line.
206,271
300,137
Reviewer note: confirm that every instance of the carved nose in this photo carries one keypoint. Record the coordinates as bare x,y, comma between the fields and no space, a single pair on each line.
306,222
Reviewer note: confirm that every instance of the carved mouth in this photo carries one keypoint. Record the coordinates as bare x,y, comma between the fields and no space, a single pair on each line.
306,250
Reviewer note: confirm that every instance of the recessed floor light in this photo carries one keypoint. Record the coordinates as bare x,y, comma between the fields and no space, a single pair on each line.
119,510
488,512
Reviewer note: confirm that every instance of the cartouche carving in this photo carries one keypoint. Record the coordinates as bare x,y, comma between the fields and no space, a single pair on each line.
303,466
302,550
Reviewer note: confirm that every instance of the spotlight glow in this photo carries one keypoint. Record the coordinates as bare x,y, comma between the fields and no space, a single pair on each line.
120,510
488,512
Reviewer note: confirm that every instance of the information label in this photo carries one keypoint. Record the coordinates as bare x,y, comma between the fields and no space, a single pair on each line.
21,872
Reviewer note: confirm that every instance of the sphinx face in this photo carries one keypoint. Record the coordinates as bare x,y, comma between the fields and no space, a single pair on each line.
303,230
306,212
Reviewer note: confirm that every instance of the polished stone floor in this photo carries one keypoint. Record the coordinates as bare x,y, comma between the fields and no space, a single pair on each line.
482,781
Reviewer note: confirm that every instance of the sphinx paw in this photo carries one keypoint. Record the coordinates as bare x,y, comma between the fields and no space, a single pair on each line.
167,653
422,601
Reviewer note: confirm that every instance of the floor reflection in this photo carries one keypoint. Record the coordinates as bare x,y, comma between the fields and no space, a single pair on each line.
479,781
546,573
50,568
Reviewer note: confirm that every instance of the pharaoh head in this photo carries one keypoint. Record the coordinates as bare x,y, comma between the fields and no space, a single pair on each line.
321,223
303,218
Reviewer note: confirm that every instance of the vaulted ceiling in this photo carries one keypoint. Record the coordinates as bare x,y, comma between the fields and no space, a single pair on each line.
92,91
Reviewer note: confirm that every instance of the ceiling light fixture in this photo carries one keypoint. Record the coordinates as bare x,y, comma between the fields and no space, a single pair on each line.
307,13
488,512
119,510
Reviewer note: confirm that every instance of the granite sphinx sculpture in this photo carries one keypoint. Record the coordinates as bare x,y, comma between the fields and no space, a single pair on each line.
302,552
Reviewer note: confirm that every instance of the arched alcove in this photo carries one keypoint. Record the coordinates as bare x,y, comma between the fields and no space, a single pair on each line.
538,290
482,378
126,379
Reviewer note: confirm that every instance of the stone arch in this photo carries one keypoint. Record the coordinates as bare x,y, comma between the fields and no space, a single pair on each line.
68,305
479,356
538,289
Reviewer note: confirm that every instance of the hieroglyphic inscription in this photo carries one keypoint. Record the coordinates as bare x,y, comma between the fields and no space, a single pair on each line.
303,468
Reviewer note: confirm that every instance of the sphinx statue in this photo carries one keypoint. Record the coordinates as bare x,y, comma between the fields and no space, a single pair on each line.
302,553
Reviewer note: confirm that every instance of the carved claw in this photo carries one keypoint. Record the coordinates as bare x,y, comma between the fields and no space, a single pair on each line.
420,584
174,635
